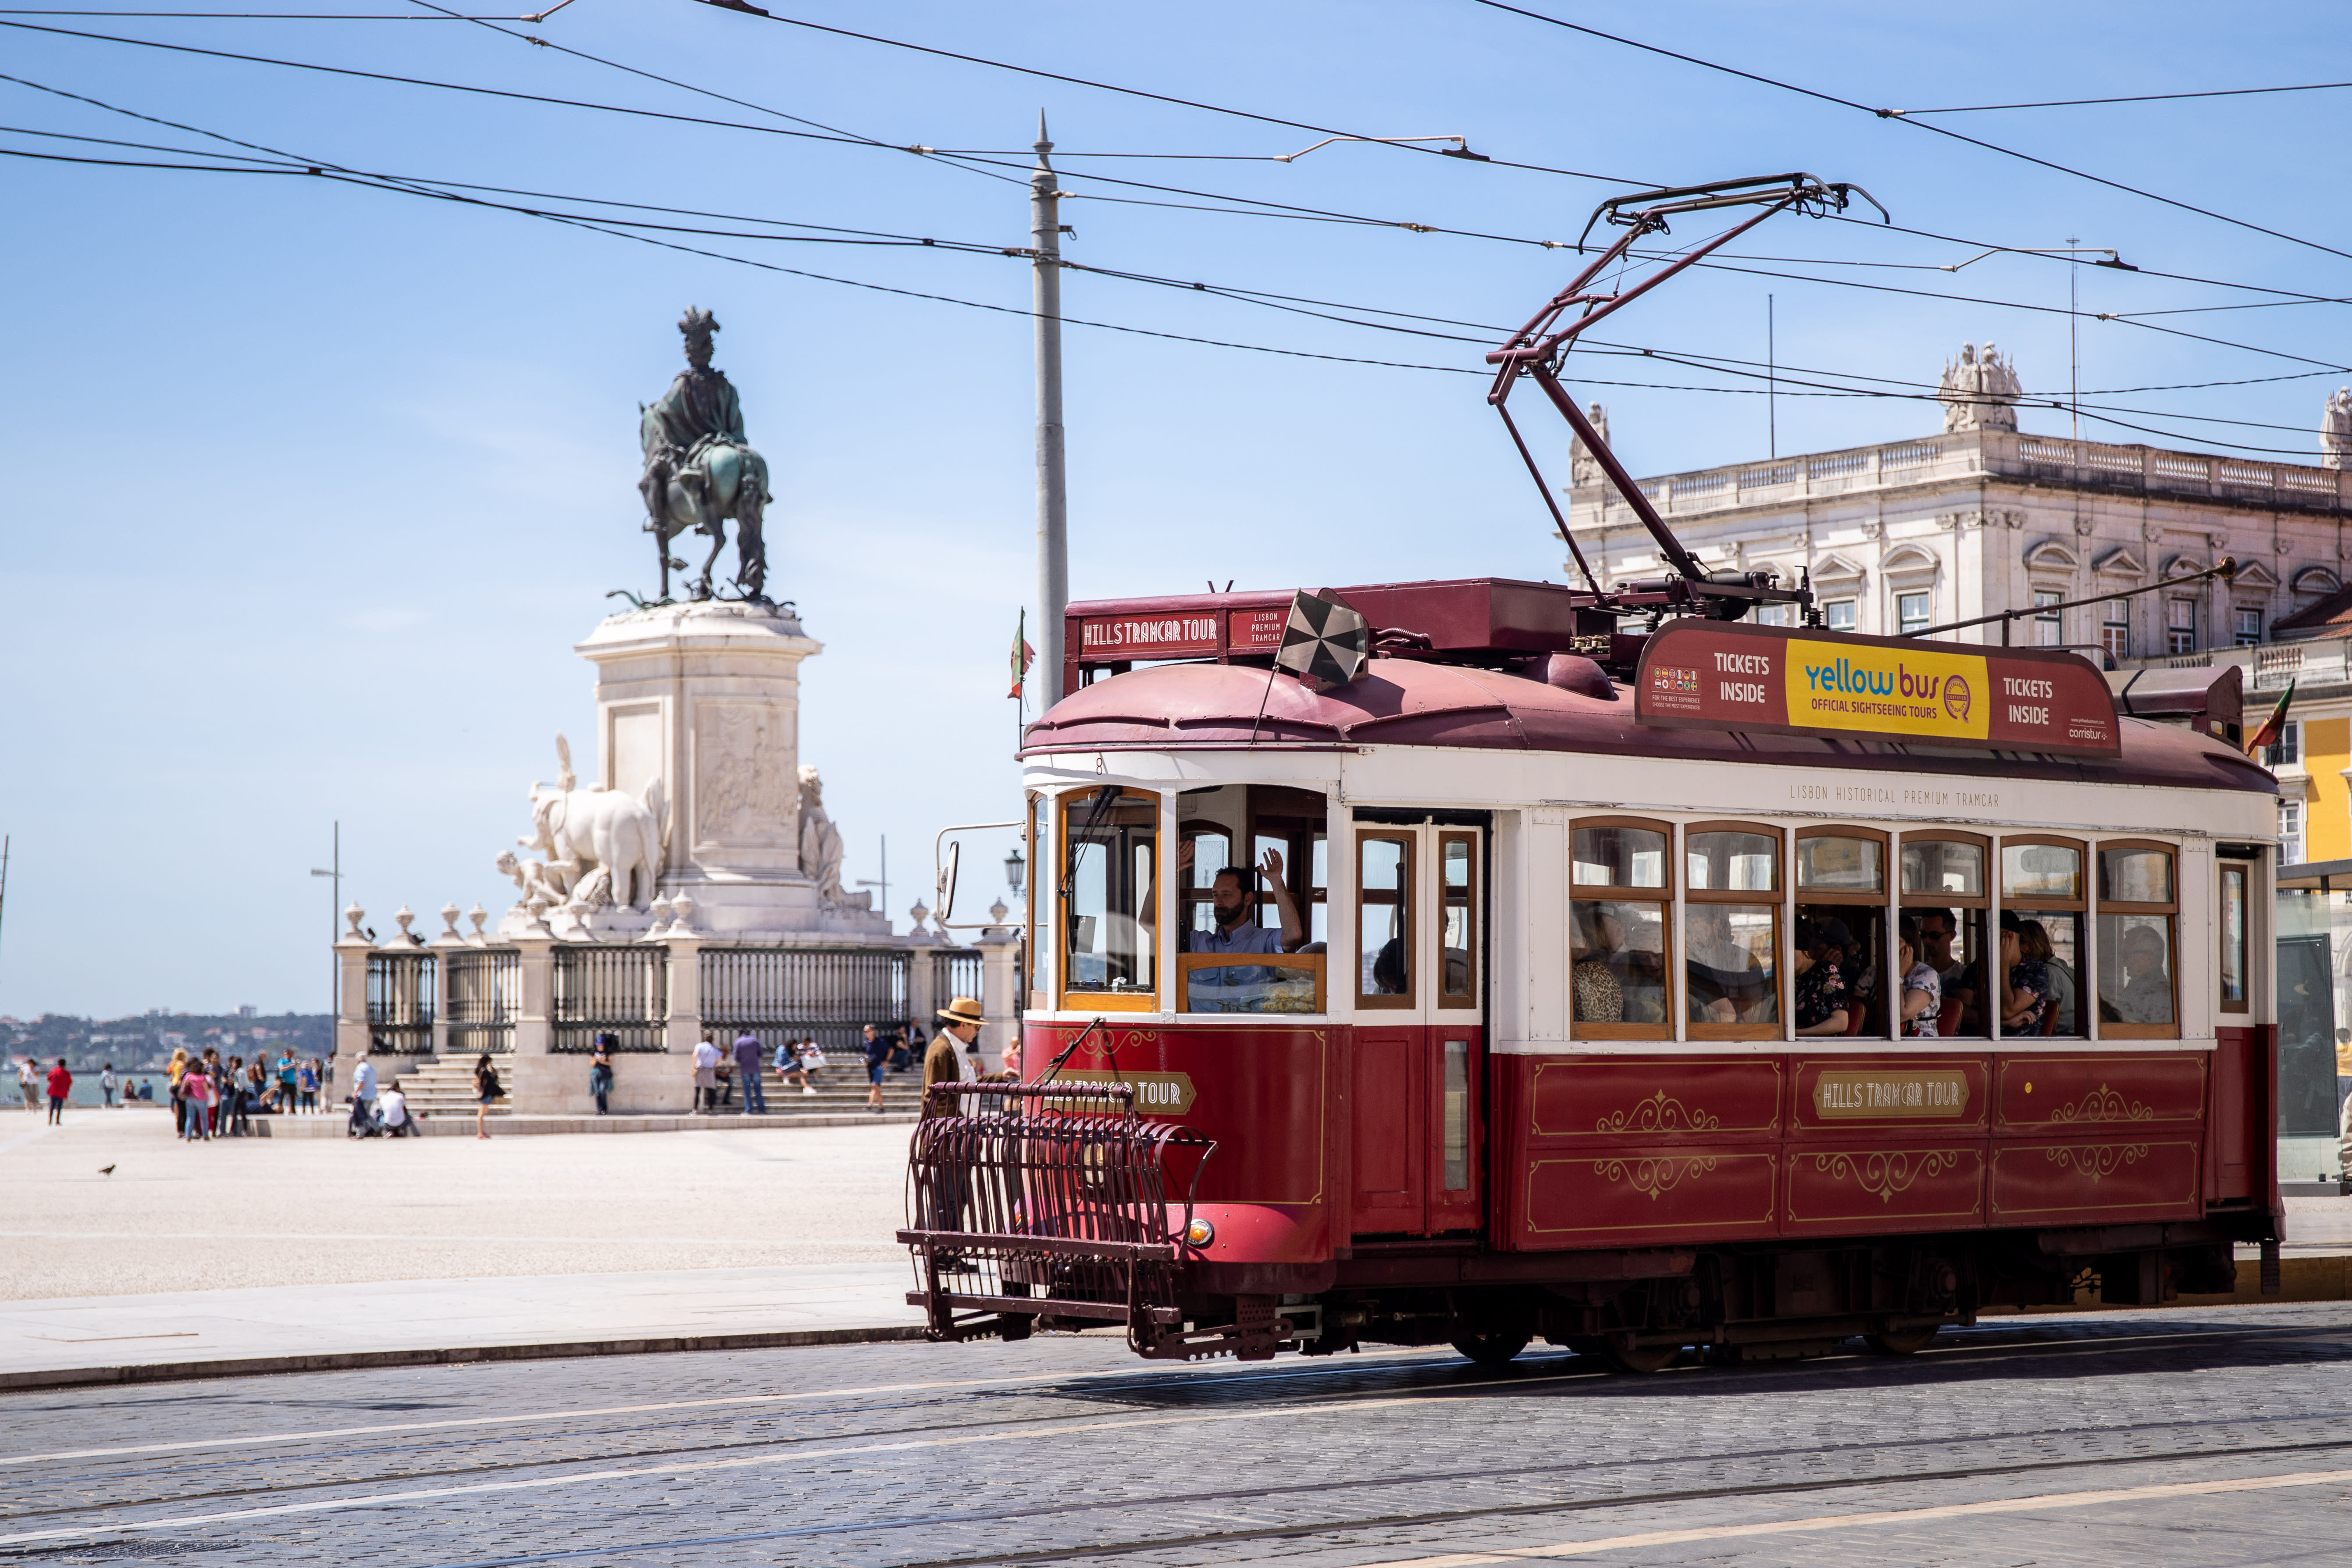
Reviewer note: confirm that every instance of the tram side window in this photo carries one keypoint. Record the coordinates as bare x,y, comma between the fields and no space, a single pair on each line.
2038,980
2229,996
1618,944
1384,919
1839,956
1458,875
1731,944
1944,900
1108,885
2138,910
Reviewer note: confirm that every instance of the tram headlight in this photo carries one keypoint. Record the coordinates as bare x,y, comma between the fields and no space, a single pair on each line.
1200,1233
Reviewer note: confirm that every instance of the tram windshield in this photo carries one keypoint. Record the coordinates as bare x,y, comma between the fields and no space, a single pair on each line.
1108,885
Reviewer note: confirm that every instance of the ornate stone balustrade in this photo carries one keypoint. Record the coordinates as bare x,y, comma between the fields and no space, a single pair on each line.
2291,487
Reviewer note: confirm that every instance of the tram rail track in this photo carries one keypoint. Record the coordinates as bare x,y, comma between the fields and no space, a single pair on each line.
1566,1368
475,1477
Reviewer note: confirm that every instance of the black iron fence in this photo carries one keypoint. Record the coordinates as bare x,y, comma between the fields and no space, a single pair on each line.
960,974
618,990
825,995
400,994
481,992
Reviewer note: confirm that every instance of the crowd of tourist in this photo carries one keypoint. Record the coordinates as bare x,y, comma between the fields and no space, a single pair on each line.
212,1097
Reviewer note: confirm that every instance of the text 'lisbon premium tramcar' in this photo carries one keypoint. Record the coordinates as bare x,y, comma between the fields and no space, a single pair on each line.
1705,984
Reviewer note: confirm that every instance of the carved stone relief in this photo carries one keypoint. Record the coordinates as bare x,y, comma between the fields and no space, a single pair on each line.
746,790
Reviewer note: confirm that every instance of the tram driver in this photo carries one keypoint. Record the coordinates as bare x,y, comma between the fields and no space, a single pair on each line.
1232,904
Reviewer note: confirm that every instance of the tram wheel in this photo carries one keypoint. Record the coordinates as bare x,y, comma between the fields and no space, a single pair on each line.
1640,1359
1491,1350
1908,1342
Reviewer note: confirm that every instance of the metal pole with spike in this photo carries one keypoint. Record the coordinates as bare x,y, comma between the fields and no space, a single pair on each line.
1053,501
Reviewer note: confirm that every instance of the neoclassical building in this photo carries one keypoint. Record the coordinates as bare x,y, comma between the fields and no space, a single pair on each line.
1982,518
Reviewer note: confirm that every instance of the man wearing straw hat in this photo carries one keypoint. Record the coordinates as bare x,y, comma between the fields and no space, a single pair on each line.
946,1061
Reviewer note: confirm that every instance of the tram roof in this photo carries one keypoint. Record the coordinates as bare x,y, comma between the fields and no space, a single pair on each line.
1410,703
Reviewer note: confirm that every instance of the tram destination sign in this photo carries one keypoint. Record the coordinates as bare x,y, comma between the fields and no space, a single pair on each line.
1711,675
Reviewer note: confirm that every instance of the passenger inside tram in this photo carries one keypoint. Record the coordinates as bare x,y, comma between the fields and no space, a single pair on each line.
2147,994
1825,1000
2035,942
1922,1002
2025,1000
1951,948
1618,966
1727,969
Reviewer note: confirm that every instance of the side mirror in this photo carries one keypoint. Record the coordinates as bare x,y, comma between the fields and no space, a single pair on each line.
944,891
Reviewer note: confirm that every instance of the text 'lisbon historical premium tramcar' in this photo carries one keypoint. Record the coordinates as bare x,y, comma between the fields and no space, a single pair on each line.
1487,970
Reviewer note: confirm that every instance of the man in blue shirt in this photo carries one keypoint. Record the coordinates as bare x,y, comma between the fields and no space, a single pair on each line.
1233,902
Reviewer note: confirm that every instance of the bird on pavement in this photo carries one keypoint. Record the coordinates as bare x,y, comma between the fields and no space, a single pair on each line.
106,1170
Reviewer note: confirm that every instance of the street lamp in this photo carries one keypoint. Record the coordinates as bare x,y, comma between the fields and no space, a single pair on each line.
334,927
1014,868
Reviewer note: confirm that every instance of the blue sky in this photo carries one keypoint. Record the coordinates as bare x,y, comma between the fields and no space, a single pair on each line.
313,486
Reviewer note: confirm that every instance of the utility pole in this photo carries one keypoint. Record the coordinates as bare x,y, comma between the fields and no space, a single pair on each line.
1053,501
4,879
334,930
1771,382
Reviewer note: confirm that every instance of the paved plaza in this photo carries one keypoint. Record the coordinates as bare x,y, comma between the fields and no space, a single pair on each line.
240,1213
2221,1437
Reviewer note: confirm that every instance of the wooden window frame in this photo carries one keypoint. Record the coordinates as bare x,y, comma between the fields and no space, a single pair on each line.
2109,1030
1776,896
1039,995
1983,842
1876,898
1602,893
1915,903
2244,871
1146,1001
1468,1002
1410,840
2082,847
2086,1018
1187,963
1286,805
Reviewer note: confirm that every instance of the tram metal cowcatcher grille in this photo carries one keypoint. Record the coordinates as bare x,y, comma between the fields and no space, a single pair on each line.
1046,1203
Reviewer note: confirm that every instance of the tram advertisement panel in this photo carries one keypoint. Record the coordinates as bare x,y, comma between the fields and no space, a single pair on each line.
1795,681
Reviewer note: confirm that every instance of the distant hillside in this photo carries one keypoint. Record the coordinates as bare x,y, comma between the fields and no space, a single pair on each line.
149,1039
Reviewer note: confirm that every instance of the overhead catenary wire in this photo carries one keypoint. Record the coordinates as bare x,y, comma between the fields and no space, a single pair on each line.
1278,208
2131,97
1153,97
1902,117
1255,206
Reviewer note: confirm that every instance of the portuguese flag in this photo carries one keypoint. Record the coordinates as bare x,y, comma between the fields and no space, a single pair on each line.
1024,656
2274,726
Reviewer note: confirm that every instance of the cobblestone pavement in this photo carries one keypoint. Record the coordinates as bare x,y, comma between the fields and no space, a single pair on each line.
2192,1437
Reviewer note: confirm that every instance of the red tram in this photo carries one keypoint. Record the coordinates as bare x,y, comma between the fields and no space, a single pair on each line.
1718,985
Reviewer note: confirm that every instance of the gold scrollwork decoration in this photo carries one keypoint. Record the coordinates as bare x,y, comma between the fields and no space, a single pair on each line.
1659,1113
2097,1160
1651,1174
1889,1174
2104,1104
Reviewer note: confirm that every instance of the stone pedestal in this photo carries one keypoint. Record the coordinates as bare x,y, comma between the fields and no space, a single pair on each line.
706,699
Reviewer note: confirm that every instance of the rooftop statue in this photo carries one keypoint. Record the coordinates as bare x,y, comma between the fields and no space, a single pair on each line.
2336,429
700,470
1980,392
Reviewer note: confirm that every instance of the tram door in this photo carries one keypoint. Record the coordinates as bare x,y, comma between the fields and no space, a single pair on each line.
1418,1039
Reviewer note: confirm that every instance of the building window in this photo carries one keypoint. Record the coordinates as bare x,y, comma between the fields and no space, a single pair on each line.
1911,614
2289,750
2290,833
2181,626
2114,630
2247,629
1838,615
1775,614
2049,622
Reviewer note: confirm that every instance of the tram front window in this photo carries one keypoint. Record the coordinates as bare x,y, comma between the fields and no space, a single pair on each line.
1108,886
